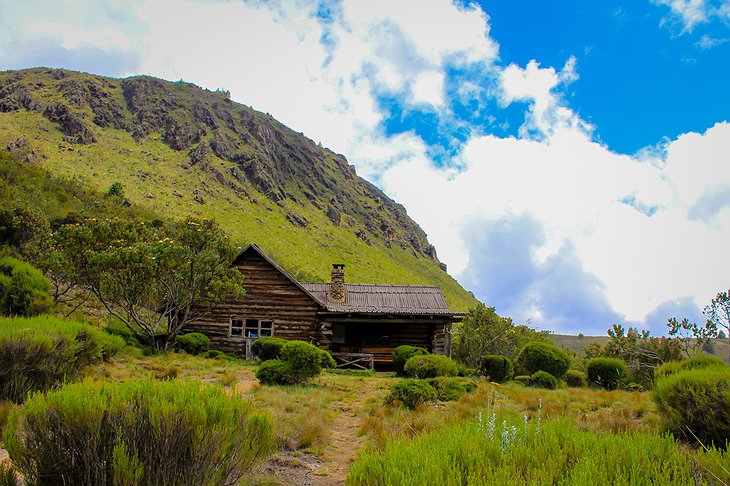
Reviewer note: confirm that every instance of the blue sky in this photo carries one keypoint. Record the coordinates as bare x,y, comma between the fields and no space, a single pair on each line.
568,159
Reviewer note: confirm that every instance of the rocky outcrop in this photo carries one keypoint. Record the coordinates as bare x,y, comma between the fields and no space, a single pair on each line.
75,129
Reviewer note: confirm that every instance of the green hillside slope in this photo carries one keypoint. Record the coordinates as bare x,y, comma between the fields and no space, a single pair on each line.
178,149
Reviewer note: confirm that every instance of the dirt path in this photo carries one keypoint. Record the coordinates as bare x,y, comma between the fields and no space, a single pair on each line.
344,444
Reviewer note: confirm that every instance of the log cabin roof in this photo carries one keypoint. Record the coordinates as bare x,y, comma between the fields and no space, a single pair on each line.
384,299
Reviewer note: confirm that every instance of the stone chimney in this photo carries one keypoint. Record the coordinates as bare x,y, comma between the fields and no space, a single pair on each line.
337,285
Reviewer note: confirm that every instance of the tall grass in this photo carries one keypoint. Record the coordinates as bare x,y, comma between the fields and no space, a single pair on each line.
506,449
41,352
137,432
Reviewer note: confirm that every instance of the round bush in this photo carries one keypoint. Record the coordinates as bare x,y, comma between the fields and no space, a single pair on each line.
575,378
543,379
266,348
411,393
275,372
23,289
402,354
695,404
543,357
497,368
606,372
447,389
137,432
430,366
524,379
193,342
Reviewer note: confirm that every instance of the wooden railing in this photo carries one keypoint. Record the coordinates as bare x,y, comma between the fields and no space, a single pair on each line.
362,361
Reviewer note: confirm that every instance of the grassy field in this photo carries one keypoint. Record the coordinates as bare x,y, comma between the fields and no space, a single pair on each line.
322,428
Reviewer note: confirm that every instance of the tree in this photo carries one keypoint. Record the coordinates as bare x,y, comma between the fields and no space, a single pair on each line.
692,338
155,281
719,312
483,332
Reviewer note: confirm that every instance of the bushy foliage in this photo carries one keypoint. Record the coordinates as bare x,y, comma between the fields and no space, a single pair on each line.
430,366
543,357
700,361
524,379
575,378
216,354
483,332
558,452
402,354
39,353
411,393
543,379
266,348
695,404
606,372
497,368
23,289
137,432
7,475
448,388
193,342
299,362
116,190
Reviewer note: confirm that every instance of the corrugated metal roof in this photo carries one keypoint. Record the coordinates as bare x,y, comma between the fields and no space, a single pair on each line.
384,299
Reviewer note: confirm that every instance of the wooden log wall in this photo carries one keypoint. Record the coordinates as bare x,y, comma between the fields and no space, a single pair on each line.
269,296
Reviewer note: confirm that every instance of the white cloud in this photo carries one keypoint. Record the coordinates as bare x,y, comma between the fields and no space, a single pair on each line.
691,12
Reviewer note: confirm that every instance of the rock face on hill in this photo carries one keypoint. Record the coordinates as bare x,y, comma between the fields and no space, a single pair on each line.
265,159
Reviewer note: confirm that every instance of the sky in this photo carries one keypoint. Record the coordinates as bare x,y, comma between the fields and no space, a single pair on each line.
567,159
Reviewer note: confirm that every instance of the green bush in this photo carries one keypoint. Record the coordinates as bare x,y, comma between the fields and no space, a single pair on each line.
193,342
575,378
695,404
216,354
402,354
275,372
23,289
635,387
524,379
299,362
497,368
700,361
266,348
606,372
447,389
411,393
117,328
543,379
40,352
543,357
137,432
430,366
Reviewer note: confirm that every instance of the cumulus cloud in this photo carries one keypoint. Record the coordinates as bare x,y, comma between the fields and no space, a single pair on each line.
691,13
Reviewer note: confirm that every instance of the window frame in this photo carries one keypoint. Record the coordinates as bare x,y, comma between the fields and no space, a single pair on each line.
250,327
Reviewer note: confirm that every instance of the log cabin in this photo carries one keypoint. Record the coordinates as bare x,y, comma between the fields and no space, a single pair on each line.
360,324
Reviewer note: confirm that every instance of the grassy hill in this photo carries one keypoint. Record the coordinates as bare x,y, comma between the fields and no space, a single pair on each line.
178,150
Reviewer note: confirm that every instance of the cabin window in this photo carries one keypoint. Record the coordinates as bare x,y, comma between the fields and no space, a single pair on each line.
252,328
236,327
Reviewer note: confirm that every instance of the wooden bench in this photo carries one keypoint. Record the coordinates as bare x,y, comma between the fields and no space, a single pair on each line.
381,354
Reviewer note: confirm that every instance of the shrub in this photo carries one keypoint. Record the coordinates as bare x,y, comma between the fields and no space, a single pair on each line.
23,289
524,379
635,387
266,348
465,371
402,354
193,342
606,372
117,328
543,357
275,372
430,366
137,432
575,378
299,362
695,403
40,352
543,379
216,354
447,389
497,368
411,393
700,361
